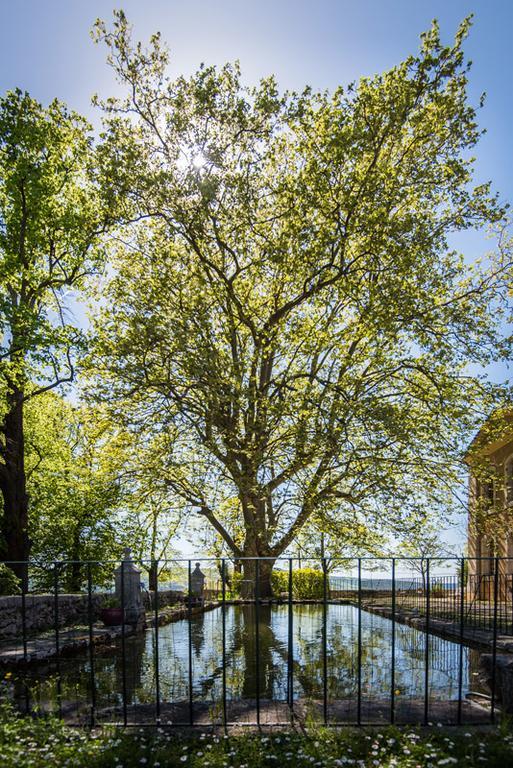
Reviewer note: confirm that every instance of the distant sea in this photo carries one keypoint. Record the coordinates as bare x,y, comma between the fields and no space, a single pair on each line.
351,583
379,584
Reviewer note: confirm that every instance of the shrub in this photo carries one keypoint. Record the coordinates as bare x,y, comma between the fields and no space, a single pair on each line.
307,583
236,582
9,582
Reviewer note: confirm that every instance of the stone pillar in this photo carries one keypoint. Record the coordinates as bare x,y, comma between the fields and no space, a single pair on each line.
197,584
130,584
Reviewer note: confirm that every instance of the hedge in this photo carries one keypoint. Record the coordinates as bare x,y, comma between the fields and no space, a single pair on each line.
307,583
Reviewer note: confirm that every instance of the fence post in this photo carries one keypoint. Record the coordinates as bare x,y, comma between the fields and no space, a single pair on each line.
324,644
359,700
392,665
257,637
123,642
91,643
462,619
290,654
24,640
511,598
494,649
189,614
223,616
57,638
426,656
157,665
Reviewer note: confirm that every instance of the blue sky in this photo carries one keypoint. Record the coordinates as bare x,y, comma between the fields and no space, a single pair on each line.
45,48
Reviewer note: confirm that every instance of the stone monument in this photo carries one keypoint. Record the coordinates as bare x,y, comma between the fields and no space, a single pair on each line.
197,584
128,591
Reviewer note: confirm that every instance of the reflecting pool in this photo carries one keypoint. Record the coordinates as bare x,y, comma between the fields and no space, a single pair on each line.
262,659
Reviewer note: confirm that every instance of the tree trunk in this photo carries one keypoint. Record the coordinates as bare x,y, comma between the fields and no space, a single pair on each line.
153,575
15,539
249,581
75,567
75,577
267,668
227,577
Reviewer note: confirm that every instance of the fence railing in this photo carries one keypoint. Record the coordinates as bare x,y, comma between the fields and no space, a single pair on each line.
364,641
479,605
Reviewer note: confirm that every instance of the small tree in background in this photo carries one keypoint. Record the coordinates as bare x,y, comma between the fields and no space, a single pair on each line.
74,463
421,545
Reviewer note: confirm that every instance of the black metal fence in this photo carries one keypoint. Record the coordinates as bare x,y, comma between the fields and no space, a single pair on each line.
363,641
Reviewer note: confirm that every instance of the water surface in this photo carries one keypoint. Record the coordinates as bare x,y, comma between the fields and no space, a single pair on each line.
196,654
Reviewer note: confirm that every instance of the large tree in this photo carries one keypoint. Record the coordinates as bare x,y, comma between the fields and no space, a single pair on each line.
50,219
287,305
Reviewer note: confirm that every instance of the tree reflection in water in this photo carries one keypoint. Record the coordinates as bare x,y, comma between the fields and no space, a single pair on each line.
241,659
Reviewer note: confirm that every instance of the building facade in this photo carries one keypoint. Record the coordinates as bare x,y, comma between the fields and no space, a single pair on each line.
490,520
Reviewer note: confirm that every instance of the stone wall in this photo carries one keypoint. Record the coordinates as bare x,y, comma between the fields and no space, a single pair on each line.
72,610
503,677
40,612
167,597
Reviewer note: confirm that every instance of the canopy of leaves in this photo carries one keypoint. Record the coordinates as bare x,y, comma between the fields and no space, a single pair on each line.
287,305
50,215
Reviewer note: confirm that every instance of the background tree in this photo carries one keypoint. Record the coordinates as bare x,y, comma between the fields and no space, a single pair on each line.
50,219
337,539
288,304
423,545
74,461
153,512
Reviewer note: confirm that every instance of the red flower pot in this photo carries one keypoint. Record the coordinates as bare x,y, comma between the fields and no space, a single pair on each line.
111,617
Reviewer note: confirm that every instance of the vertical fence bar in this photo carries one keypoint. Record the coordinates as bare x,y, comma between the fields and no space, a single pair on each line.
189,600
92,676
123,643
324,643
157,660
491,583
223,616
426,656
503,586
257,638
462,620
392,650
359,699
494,649
290,653
57,638
24,640
511,597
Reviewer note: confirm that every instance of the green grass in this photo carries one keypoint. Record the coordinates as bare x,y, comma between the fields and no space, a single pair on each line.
37,742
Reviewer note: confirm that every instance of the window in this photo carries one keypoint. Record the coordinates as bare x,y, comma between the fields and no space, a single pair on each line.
488,492
508,480
509,561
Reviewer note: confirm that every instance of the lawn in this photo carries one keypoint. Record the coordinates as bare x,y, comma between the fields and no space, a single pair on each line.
34,743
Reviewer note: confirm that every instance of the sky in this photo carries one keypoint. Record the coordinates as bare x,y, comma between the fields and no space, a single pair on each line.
46,49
